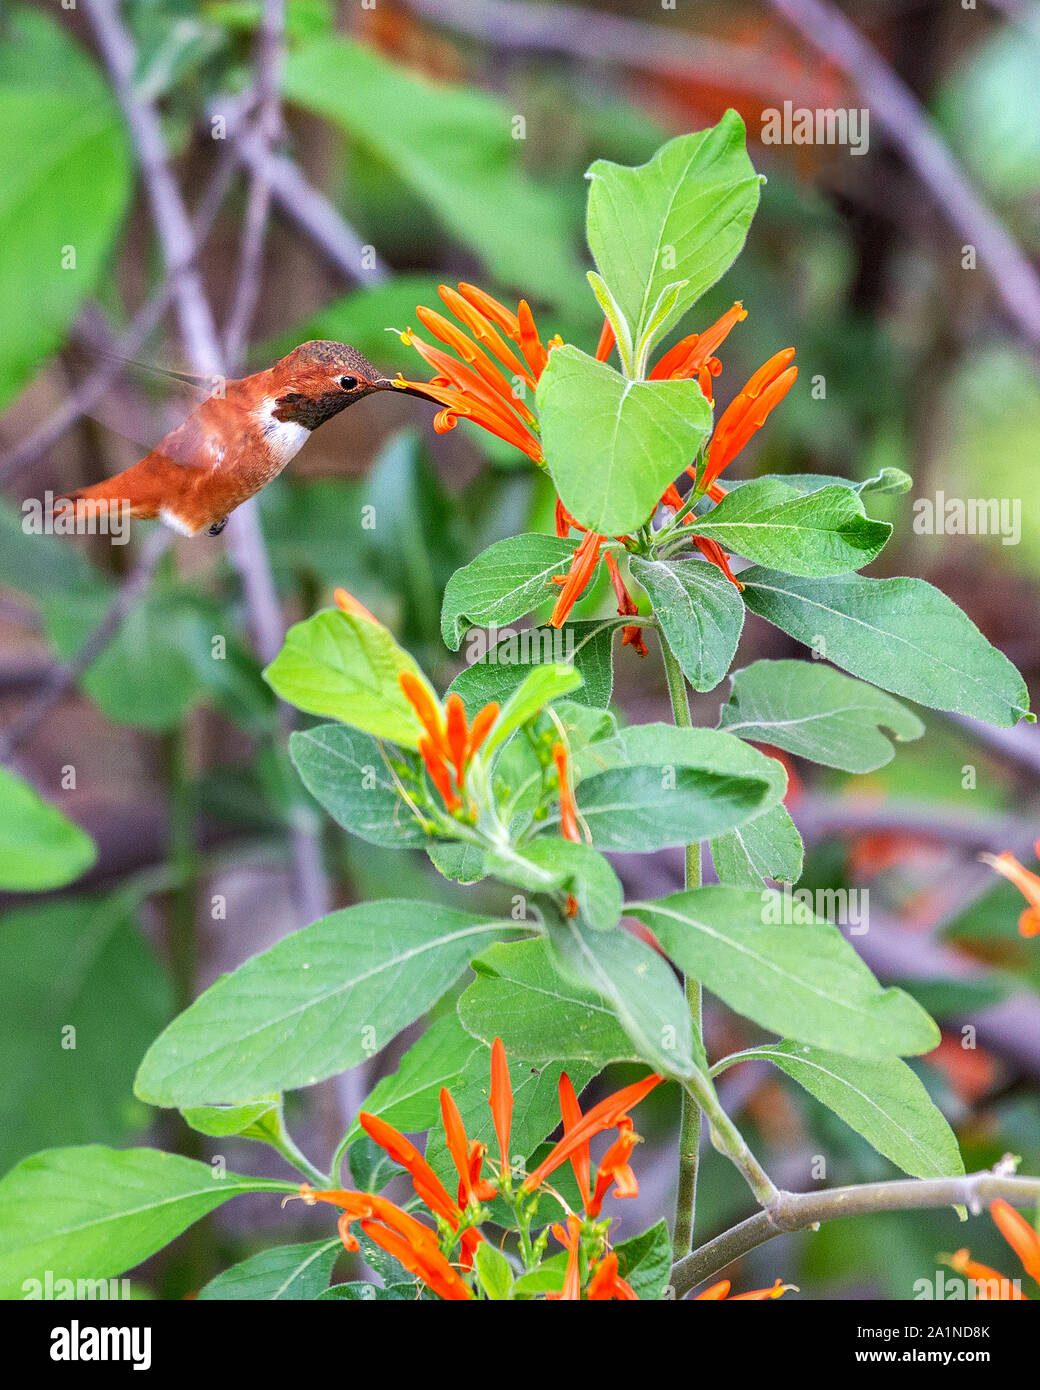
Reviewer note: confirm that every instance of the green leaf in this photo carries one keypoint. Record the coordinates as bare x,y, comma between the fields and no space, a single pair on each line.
701,614
287,1273
319,1001
901,634
520,996
346,668
408,1098
882,1100
81,995
683,215
616,319
64,187
549,863
769,846
498,672
640,988
546,1277
804,980
540,687
345,770
93,1212
645,1261
456,860
632,437
361,1292
654,785
39,847
503,583
888,480
812,710
819,533
250,1121
494,1272
454,147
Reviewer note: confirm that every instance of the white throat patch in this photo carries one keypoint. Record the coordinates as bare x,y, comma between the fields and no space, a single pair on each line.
284,438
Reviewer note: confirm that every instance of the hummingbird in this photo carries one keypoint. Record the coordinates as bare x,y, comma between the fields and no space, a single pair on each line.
234,444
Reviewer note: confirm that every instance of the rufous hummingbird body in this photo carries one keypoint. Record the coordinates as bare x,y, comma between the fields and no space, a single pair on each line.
234,444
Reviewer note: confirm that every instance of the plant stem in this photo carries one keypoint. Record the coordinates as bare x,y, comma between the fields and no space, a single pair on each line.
796,1211
690,1119
294,1156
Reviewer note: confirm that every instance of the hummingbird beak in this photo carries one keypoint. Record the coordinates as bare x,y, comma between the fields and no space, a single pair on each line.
389,384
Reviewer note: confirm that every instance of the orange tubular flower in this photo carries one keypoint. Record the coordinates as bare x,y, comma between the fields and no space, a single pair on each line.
501,1100
347,603
468,1158
749,412
1018,1233
568,807
581,1160
991,1285
605,1115
1027,883
450,742
632,636
721,1292
428,1186
613,1168
695,355
408,1240
570,1239
583,566
606,1283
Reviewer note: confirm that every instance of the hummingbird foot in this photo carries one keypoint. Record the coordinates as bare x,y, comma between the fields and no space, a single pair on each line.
217,527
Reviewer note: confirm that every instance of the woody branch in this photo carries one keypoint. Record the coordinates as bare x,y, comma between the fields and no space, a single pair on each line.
797,1211
173,228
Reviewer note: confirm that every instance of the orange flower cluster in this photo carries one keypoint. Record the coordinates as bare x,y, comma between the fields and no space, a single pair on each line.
476,388
450,741
1027,883
605,1281
1025,1242
578,1129
422,1251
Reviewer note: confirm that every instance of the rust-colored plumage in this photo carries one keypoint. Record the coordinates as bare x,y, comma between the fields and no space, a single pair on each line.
234,444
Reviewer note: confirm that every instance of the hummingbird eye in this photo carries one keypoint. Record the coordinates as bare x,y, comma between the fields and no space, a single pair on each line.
348,383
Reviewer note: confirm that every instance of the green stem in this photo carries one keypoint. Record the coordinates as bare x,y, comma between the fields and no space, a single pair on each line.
286,1146
690,1120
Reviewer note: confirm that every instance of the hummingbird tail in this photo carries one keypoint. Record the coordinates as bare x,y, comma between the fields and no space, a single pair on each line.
129,494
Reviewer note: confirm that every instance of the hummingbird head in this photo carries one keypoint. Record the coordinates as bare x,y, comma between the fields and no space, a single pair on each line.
320,378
